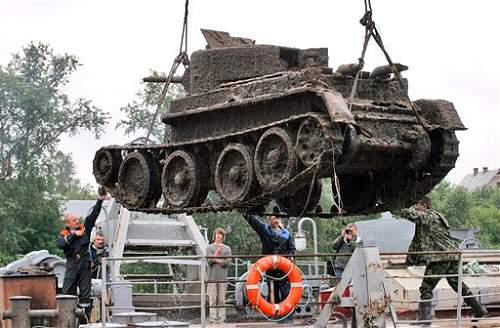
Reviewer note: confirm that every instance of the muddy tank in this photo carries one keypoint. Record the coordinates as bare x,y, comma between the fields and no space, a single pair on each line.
264,122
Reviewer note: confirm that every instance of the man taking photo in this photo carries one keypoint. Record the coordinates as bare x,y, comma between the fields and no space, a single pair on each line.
345,243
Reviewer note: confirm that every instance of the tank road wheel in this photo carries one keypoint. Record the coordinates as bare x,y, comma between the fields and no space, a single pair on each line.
139,181
106,165
299,203
234,173
275,160
182,180
315,137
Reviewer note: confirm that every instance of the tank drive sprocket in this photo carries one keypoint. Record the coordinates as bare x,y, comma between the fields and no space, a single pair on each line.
316,138
106,165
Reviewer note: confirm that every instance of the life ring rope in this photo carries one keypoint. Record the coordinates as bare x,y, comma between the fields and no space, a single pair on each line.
309,297
255,285
264,275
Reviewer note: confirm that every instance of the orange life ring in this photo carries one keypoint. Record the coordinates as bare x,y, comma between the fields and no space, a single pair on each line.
255,277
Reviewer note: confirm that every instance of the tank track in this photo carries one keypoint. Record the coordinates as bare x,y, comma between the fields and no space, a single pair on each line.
303,177
294,184
443,159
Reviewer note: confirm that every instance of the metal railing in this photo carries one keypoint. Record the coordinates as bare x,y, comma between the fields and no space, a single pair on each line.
201,262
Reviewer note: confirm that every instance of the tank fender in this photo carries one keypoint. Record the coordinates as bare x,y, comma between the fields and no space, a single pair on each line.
441,113
336,106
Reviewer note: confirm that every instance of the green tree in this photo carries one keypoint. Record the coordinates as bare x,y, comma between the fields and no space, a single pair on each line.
140,112
35,113
479,208
63,179
29,217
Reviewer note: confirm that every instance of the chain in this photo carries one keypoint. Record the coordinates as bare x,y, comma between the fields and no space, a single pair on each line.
182,58
372,31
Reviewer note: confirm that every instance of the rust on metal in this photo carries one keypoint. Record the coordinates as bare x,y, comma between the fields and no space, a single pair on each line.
41,289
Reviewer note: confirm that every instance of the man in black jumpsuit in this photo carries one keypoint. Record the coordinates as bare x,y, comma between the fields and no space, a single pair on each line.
275,240
74,240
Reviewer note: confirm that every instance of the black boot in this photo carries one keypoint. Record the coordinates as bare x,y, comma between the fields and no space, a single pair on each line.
424,313
477,308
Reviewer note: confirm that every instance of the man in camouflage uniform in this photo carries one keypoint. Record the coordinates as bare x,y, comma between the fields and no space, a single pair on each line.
432,234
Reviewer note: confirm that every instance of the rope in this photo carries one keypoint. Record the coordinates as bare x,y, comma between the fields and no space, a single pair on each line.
304,285
182,58
311,187
336,183
264,275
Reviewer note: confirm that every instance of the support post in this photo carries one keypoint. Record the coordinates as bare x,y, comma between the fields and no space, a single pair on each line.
104,292
203,288
155,286
315,241
459,289
20,309
66,310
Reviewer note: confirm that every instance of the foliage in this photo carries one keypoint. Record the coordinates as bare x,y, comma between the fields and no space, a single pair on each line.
479,208
135,270
63,179
35,113
140,112
239,235
29,217
243,240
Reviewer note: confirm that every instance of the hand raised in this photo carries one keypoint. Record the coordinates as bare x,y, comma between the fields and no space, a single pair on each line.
80,232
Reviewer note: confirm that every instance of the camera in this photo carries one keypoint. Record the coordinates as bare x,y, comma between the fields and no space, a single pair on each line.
102,191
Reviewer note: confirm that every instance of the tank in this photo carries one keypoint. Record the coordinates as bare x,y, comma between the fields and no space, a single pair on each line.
264,122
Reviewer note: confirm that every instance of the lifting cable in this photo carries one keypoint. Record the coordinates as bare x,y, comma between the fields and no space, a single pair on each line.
182,58
372,31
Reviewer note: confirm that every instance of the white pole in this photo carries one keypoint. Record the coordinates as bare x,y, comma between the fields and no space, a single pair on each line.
104,291
459,289
315,241
203,288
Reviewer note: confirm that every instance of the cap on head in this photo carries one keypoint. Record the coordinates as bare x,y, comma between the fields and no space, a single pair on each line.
425,200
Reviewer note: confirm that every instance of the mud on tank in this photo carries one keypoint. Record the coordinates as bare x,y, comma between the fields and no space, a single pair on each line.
263,122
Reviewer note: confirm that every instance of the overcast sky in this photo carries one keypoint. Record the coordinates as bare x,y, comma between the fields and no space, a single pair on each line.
451,47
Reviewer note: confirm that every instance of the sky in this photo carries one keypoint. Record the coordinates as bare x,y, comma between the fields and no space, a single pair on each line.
450,46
